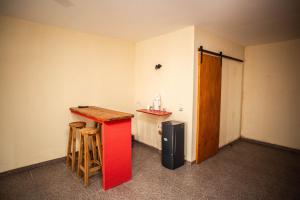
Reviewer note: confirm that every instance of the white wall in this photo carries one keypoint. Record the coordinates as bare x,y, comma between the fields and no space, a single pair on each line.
174,82
44,70
231,91
271,102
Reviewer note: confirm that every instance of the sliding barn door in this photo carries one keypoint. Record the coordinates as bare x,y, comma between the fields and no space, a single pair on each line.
209,106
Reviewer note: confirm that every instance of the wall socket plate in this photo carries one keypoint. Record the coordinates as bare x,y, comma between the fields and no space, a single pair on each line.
180,108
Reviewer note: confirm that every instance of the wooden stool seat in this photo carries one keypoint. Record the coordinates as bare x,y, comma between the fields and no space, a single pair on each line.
88,131
90,165
77,124
71,149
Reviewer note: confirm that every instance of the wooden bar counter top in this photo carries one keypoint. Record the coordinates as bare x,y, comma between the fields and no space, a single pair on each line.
100,114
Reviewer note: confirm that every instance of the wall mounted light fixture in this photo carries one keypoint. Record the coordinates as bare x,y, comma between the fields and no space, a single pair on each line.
158,66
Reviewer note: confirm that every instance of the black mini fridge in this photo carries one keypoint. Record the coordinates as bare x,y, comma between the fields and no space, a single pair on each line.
172,142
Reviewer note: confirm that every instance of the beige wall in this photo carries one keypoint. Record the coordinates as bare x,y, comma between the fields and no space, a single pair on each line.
231,91
231,101
43,71
271,102
174,82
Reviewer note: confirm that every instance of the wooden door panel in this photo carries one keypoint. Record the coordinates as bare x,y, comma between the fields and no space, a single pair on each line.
209,106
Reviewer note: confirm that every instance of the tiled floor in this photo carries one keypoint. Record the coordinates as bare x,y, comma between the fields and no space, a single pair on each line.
241,171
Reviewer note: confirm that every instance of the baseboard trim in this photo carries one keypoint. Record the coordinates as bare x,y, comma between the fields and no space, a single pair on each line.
190,162
274,146
30,167
230,144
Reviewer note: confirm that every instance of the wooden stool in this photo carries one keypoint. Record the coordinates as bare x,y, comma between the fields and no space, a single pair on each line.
96,162
71,150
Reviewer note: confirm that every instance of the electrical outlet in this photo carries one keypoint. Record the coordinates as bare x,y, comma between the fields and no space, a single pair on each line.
180,108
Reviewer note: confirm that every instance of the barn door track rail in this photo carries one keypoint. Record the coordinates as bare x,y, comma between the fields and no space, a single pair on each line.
202,50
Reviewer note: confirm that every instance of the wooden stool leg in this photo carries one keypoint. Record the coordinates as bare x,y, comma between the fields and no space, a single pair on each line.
99,148
94,148
80,156
69,148
86,160
73,149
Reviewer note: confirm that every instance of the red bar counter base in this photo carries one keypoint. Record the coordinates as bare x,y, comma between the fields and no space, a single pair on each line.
116,141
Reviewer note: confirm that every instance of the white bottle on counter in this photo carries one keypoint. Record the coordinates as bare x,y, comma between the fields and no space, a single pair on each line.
157,103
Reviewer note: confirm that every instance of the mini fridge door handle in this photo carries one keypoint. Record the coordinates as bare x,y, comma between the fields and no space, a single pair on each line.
174,142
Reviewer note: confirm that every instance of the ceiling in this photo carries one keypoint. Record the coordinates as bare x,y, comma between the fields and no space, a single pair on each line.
246,22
